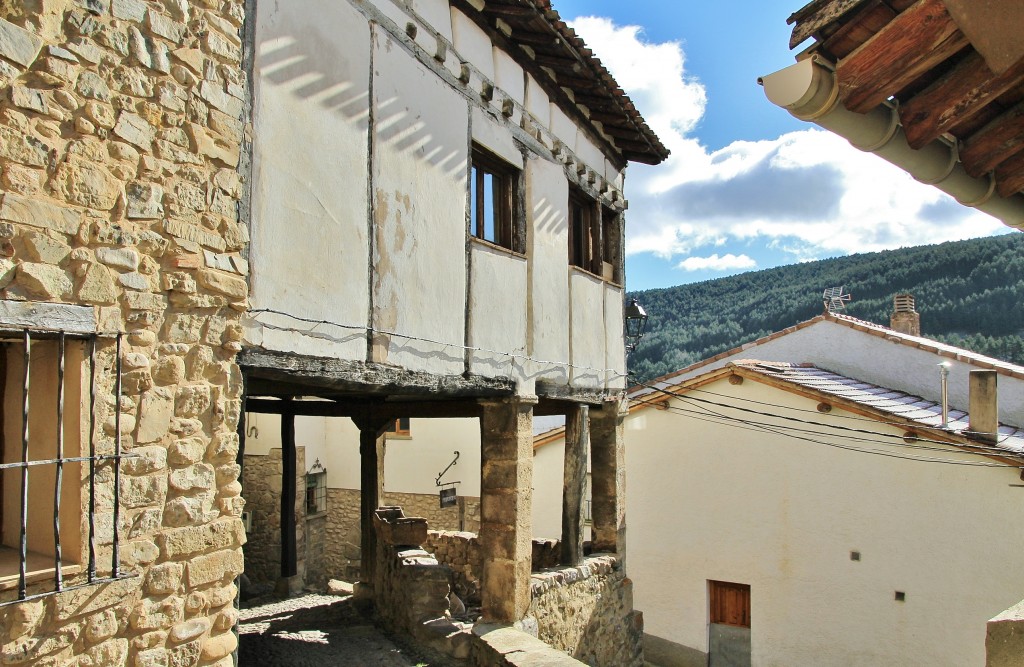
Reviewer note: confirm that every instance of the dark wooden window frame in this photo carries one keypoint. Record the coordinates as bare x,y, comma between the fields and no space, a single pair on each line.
504,200
594,236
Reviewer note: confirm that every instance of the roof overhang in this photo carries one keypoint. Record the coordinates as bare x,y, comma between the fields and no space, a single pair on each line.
929,86
533,33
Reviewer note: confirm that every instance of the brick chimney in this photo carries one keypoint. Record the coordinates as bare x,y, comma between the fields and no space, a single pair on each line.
904,318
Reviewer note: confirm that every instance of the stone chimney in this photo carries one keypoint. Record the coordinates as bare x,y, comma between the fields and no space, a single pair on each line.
984,405
904,318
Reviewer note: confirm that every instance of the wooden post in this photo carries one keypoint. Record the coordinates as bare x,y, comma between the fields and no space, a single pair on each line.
577,442
371,480
289,560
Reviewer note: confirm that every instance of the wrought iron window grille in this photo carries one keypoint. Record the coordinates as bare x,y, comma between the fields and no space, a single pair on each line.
34,458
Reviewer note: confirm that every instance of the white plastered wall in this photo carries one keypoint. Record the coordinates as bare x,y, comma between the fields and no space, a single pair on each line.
311,201
712,502
309,194
420,171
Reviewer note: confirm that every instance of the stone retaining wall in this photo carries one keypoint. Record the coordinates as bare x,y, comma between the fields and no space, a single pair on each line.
120,133
587,611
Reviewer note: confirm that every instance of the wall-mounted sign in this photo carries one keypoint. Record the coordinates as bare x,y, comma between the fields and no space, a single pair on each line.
448,497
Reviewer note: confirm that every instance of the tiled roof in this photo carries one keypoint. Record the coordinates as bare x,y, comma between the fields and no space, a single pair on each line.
561,61
927,414
919,342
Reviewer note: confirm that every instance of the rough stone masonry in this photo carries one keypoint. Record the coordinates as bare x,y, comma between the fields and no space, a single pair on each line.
120,133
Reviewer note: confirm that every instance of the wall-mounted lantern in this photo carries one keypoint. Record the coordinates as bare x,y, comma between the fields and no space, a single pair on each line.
636,322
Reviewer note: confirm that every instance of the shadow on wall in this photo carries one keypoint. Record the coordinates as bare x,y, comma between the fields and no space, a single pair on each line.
295,63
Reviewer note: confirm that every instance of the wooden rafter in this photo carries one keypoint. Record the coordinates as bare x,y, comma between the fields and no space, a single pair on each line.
994,143
1010,175
908,46
954,97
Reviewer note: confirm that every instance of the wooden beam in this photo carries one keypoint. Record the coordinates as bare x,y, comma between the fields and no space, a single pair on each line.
953,98
911,44
861,27
810,20
574,487
1010,175
324,374
355,408
1000,139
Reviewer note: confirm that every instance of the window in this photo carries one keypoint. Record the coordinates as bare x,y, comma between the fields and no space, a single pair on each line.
51,461
594,237
400,428
492,200
316,489
729,603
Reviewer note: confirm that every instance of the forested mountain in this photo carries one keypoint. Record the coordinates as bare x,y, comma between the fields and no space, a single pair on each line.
968,293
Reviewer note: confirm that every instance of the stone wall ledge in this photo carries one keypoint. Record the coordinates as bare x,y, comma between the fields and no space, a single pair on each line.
506,646
592,566
1004,643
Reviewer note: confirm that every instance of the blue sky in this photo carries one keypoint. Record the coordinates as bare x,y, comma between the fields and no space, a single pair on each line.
748,187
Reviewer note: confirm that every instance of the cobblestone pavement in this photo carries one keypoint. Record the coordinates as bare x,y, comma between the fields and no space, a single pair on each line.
319,631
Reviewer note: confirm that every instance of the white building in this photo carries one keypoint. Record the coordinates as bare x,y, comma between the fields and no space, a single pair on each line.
437,231
819,505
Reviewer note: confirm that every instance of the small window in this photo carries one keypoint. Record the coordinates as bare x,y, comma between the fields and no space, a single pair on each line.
316,489
729,603
50,465
492,200
400,428
594,237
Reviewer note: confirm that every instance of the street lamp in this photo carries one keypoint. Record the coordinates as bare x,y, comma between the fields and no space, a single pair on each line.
636,322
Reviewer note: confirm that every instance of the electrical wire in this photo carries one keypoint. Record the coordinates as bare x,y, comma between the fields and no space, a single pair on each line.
615,374
919,427
974,446
790,432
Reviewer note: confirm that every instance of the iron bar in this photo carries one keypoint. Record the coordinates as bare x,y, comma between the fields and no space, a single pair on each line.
91,572
39,596
115,556
27,357
58,577
67,459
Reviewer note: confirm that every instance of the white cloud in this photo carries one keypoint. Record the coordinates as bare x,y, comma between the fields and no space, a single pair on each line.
715,262
807,193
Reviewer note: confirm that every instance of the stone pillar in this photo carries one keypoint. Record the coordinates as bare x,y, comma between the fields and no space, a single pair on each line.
506,494
371,482
577,441
608,478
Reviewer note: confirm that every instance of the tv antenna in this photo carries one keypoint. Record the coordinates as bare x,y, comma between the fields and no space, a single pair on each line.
835,299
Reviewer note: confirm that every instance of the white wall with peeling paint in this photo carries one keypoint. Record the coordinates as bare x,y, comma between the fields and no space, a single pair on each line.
309,193
359,199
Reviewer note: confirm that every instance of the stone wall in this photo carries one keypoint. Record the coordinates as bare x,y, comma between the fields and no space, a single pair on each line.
120,132
461,552
1004,639
261,488
342,558
465,516
587,611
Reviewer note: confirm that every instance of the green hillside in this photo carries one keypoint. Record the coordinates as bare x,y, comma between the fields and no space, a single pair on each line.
968,293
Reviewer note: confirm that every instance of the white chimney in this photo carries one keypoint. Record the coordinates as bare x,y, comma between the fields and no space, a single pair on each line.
984,406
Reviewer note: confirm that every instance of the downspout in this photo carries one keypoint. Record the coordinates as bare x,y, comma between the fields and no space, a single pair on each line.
809,91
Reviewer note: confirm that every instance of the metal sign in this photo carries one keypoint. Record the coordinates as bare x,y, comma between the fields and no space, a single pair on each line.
448,497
